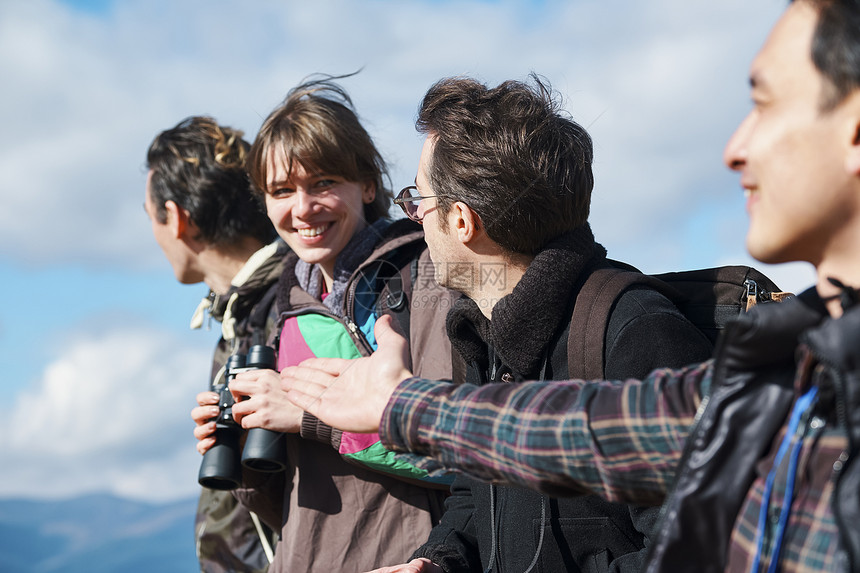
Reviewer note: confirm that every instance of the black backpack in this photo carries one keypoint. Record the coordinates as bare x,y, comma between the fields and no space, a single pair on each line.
709,298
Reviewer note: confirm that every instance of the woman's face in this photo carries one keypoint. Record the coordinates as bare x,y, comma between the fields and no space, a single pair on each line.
315,213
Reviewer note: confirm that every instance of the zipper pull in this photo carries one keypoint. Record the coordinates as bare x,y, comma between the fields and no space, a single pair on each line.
752,293
353,328
358,336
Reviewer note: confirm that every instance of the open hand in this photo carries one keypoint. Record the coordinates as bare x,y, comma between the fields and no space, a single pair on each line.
351,394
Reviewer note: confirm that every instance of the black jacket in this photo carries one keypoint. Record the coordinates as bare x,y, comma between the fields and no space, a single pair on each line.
527,340
764,361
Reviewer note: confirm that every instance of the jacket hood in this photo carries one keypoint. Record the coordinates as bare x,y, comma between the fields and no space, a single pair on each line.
262,269
525,321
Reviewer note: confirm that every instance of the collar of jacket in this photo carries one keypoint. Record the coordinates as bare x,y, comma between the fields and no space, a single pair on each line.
398,233
834,344
261,269
525,321
360,245
834,340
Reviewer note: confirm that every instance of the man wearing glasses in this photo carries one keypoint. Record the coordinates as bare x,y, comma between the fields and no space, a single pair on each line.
503,190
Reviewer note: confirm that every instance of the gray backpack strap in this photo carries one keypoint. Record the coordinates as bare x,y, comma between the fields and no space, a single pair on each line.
590,318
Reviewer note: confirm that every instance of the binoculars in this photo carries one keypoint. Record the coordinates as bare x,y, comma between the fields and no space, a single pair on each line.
264,450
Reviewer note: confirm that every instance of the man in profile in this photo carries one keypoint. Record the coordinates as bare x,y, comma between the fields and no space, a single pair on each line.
214,230
503,190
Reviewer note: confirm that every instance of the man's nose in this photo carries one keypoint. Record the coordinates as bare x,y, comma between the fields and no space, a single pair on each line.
735,153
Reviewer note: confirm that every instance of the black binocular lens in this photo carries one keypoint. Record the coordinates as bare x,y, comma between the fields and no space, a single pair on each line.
264,449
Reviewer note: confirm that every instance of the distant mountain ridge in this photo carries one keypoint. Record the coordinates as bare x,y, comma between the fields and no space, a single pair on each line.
97,534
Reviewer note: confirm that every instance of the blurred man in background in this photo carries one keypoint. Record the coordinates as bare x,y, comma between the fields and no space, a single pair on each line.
214,230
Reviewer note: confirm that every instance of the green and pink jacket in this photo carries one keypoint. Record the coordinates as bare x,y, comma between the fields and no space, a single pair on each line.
344,498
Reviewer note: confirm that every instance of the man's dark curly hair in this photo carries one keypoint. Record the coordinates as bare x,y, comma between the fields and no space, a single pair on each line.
200,166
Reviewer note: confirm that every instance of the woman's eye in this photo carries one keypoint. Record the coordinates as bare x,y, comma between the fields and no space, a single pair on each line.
324,184
282,192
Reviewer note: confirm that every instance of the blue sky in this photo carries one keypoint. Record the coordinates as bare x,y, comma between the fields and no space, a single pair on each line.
100,368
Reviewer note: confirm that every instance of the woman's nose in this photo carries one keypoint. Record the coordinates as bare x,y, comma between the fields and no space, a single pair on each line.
305,203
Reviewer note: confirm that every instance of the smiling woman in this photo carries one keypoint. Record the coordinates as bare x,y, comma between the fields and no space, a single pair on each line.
316,214
345,499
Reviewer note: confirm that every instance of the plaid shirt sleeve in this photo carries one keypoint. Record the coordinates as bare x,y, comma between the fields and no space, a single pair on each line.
622,440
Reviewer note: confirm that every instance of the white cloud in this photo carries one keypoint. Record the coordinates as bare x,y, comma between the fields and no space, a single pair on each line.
660,84
112,412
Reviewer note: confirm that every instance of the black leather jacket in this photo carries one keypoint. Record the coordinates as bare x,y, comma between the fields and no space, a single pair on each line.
762,362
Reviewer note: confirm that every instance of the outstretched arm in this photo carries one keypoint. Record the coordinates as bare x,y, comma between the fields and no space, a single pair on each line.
621,440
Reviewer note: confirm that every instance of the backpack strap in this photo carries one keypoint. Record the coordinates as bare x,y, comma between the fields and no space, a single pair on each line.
398,274
394,300
587,334
458,368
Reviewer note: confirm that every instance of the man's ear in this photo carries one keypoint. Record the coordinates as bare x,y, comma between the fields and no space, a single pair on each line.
852,158
852,161
177,219
466,223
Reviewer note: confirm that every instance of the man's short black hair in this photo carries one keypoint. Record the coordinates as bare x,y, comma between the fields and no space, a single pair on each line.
836,48
512,156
